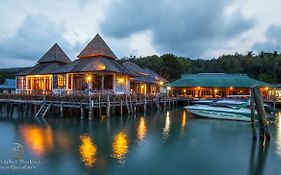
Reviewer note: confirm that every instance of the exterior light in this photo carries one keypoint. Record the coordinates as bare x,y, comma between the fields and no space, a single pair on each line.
266,88
168,88
89,78
101,67
216,90
184,90
142,86
231,88
121,80
161,83
198,87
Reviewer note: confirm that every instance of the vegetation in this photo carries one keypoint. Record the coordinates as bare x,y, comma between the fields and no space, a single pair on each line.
9,73
264,66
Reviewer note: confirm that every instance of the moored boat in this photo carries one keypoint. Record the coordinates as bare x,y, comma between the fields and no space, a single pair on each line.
220,112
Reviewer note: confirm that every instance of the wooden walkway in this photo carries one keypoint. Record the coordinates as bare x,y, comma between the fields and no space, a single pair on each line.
39,106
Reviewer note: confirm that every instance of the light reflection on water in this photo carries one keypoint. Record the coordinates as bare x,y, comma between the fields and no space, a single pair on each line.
183,122
141,129
120,146
166,129
38,139
87,150
96,148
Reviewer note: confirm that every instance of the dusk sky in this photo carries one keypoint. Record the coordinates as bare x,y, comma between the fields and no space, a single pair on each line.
189,28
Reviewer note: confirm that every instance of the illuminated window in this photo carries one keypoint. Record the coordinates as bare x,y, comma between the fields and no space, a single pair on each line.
21,83
61,82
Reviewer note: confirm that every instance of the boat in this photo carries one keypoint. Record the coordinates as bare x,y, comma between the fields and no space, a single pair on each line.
225,109
222,109
220,112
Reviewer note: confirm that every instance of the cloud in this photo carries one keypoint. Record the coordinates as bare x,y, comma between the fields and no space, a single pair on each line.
185,28
272,40
33,38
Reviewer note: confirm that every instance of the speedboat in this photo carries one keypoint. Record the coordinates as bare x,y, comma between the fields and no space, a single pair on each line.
220,112
225,109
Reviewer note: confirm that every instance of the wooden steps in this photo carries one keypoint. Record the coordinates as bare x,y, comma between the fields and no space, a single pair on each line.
43,109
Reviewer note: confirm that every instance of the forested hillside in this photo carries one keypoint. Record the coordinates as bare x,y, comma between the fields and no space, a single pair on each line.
264,66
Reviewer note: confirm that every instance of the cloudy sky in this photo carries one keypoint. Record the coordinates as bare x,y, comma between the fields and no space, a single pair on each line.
190,28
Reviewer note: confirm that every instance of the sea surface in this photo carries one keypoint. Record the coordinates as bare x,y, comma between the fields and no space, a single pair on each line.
163,142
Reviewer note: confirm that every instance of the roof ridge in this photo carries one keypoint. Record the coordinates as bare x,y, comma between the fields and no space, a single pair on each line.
97,47
54,54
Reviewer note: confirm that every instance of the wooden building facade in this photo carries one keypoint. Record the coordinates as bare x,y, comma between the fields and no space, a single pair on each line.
146,81
96,71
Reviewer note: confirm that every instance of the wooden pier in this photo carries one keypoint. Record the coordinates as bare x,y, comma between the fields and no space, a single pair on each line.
85,106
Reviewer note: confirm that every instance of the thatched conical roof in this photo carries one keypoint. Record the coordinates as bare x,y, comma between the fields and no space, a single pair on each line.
54,54
97,48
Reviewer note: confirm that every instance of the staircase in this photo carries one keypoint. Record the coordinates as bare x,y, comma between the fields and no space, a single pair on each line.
129,106
43,109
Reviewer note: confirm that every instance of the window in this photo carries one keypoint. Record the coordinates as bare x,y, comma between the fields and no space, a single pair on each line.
61,81
21,83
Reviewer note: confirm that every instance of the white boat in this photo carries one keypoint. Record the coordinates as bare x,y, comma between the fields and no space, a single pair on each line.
219,112
226,109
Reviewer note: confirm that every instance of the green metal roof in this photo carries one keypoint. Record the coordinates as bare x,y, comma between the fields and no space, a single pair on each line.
218,80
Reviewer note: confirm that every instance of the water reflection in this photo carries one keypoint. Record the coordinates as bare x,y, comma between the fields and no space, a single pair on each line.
166,129
120,146
278,134
39,140
183,122
141,129
87,150
258,158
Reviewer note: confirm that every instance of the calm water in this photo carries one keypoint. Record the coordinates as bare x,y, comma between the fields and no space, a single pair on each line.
156,143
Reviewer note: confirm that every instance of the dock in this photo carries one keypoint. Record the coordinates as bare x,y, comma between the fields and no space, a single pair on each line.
85,106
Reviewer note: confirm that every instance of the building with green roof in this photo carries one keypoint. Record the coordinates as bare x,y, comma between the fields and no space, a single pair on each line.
215,85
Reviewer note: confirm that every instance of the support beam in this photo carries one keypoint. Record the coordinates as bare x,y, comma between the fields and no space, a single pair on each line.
108,107
253,121
82,113
264,132
61,109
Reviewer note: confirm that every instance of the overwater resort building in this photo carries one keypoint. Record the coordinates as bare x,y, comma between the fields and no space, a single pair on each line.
96,70
147,81
215,85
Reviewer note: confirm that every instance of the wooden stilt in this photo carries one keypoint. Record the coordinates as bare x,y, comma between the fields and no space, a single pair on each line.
108,107
90,117
61,109
82,113
12,110
121,107
144,104
262,115
253,121
99,105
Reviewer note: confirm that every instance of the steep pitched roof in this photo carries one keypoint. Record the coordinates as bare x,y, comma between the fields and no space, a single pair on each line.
219,80
53,59
54,54
143,76
154,75
94,64
42,68
133,67
97,47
